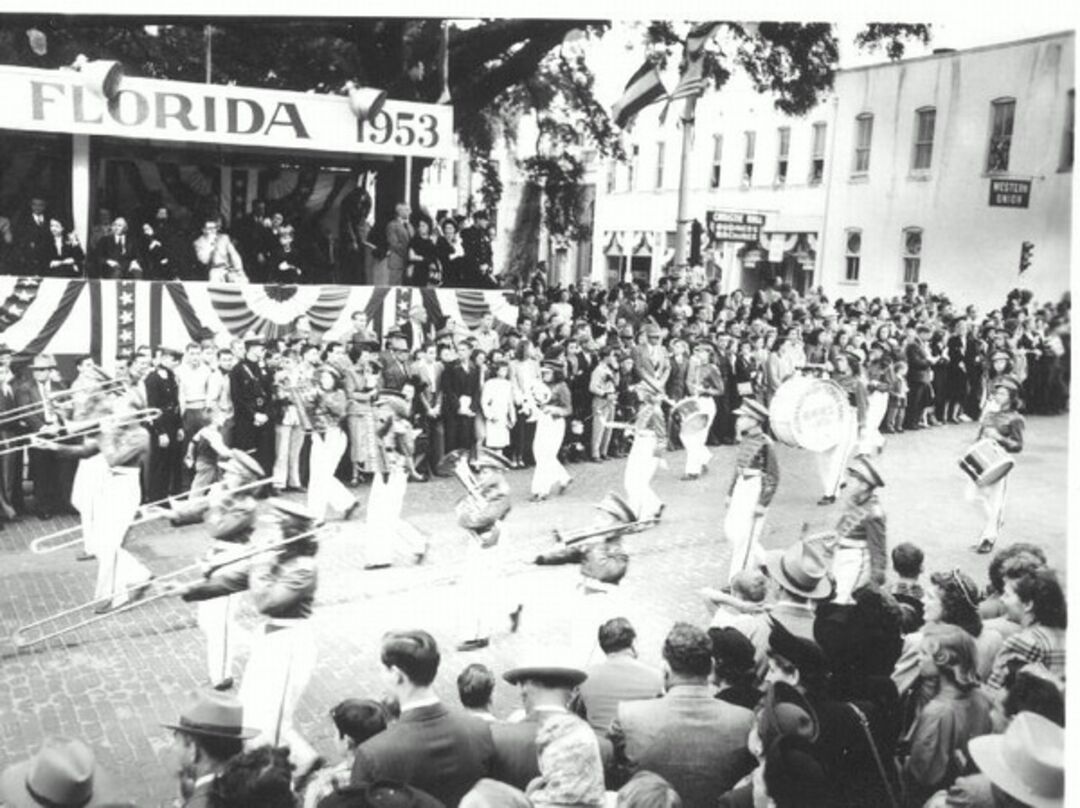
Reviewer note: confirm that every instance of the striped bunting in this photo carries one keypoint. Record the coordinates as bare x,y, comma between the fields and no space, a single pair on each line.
644,88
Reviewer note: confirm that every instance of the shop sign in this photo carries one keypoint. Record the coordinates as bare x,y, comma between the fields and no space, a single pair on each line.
58,101
1010,193
723,225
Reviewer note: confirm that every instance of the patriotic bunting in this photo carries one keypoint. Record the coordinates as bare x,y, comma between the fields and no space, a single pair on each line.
110,319
644,88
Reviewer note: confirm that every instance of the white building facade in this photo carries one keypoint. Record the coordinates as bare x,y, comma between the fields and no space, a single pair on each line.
945,165
934,169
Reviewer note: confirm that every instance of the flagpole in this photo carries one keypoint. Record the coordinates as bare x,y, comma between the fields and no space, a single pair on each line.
682,222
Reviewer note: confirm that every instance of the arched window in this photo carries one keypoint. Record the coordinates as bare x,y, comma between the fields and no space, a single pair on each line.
911,252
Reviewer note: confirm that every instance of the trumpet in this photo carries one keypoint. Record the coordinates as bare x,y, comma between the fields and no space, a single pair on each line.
20,639
79,429
45,544
62,399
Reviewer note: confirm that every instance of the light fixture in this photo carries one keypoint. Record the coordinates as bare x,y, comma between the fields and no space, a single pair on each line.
102,76
365,102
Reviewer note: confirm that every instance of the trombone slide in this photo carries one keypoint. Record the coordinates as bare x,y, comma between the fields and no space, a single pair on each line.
627,527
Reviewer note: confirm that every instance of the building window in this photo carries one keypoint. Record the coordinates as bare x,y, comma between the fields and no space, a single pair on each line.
924,138
783,144
717,151
912,253
631,170
616,265
852,252
864,132
659,165
1001,130
748,159
1070,123
817,154
611,177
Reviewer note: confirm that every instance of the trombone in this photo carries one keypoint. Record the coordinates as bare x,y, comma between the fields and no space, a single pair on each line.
43,544
78,429
20,640
61,399
585,534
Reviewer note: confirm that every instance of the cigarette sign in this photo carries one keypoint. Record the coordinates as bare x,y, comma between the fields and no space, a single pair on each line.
1010,193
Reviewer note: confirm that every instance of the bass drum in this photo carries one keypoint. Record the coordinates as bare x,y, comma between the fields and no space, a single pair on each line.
809,413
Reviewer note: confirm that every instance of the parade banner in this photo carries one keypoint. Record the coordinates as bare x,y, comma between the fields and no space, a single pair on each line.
58,101
107,319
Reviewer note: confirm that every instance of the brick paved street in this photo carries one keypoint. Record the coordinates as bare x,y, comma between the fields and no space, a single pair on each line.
113,683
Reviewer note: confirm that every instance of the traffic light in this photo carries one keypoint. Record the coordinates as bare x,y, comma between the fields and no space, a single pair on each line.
1026,249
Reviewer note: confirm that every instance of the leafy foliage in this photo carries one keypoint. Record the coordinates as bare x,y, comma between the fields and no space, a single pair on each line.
892,37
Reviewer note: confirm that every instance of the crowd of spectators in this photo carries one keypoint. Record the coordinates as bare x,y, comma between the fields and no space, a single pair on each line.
269,244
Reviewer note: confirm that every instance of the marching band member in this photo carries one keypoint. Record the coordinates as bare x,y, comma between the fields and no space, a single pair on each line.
650,439
92,471
1002,424
230,519
860,554
282,582
392,460
753,485
327,407
604,563
703,382
482,512
831,462
553,405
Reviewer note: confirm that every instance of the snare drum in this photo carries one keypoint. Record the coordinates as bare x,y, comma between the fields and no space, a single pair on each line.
692,415
809,413
986,462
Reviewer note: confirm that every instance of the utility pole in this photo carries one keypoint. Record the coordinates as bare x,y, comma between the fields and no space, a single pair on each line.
682,221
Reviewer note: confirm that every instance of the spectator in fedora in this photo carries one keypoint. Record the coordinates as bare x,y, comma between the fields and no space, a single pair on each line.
801,577
620,677
62,774
207,735
695,742
1025,764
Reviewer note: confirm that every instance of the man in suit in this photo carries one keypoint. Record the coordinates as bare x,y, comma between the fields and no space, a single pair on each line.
251,388
620,677
651,362
116,254
431,747
395,361
45,467
399,233
546,691
30,238
920,377
694,741
418,332
167,430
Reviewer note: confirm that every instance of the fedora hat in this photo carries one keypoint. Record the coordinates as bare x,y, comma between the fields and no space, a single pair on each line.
1027,761
63,774
214,715
547,668
241,463
43,362
862,468
802,569
752,408
617,507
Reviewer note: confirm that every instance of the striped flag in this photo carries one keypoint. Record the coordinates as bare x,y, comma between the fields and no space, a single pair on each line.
644,88
692,84
699,35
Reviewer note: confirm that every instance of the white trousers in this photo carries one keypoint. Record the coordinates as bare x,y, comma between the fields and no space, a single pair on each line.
742,527
118,570
88,497
276,676
487,602
323,487
991,499
216,619
549,472
697,456
876,405
851,569
288,443
641,465
831,463
383,515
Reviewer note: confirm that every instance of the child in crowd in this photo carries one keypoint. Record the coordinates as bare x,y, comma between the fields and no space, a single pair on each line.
907,561
896,380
